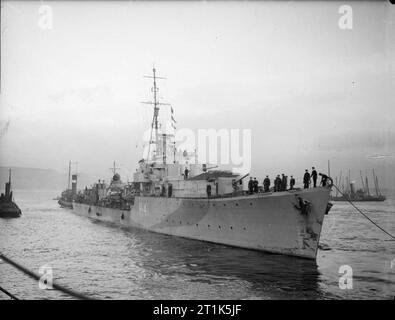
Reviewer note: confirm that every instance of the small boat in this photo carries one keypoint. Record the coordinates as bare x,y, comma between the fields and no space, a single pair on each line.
8,208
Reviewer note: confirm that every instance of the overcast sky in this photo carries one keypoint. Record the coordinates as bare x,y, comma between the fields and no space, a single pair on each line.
308,90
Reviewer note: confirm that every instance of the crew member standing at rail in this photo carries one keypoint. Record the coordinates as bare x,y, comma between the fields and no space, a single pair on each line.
208,189
306,179
324,179
291,183
186,173
277,183
282,188
250,185
314,177
256,185
266,184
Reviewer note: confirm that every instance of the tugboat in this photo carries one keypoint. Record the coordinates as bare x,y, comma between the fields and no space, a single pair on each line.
8,208
67,196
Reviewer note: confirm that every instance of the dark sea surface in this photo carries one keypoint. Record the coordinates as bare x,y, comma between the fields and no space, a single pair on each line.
110,262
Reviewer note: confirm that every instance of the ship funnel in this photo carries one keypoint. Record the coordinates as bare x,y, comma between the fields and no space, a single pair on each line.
74,185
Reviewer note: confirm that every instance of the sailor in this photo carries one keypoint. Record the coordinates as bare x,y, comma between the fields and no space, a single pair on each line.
266,184
282,182
277,183
186,173
306,179
324,179
256,185
314,176
291,183
250,185
285,182
208,189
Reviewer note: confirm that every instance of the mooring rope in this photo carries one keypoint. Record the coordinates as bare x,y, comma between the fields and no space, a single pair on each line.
346,198
8,294
35,276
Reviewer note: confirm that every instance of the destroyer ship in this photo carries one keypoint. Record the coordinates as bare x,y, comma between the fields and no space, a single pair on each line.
173,195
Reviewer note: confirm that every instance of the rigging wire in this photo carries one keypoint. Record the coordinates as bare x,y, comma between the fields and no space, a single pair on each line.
345,197
35,276
8,294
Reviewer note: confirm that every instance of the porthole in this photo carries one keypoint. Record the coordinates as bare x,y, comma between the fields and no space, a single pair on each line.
231,228
197,225
208,226
237,204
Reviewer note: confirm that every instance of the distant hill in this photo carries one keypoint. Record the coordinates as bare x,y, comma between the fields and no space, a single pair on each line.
40,179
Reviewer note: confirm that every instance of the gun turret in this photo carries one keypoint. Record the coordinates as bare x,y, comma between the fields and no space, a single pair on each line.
238,180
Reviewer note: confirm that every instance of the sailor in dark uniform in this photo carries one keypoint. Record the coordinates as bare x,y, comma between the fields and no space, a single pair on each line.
208,189
186,173
324,179
256,185
292,182
277,183
266,184
306,179
282,188
250,186
314,177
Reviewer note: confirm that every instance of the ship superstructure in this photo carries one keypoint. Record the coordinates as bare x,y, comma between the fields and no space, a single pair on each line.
173,195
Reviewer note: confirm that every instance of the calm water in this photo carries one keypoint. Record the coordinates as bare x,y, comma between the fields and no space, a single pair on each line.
111,262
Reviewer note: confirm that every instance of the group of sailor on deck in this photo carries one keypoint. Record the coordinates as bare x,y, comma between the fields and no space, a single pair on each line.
281,183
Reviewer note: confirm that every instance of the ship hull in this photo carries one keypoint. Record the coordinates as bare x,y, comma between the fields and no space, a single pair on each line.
9,210
267,222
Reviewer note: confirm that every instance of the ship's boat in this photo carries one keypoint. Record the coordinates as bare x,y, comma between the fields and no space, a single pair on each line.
173,194
8,208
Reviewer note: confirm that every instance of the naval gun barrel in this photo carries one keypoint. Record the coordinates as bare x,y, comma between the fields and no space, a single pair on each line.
238,180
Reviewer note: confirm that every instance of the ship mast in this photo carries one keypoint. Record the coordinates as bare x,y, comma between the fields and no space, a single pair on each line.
156,104
68,186
114,168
